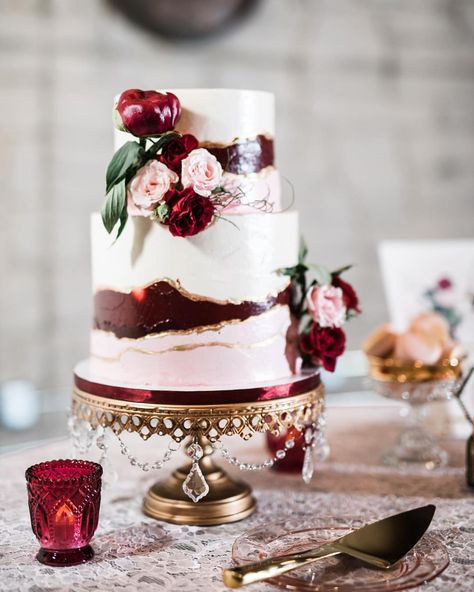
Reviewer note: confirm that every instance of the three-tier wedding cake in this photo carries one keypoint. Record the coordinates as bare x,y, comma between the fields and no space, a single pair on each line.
198,279
191,293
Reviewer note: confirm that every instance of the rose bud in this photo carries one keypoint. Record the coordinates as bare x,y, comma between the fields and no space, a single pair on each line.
176,150
146,112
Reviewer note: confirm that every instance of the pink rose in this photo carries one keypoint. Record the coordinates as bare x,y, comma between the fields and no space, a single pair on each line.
202,171
326,306
148,187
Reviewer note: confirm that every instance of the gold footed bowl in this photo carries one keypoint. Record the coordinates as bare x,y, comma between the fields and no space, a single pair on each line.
199,492
417,385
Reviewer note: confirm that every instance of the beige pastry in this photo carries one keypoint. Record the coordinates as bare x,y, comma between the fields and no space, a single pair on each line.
432,324
381,342
421,347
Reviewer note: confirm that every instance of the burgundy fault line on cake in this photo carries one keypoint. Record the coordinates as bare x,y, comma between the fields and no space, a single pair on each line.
162,307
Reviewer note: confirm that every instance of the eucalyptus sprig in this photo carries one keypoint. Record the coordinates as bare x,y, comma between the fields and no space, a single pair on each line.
122,168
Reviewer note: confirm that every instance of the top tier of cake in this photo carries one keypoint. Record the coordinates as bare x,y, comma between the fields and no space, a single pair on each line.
221,116
238,127
210,309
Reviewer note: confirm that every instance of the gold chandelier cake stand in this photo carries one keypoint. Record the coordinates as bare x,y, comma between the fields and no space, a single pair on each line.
219,499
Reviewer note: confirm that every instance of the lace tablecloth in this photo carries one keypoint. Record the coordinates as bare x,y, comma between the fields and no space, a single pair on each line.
135,553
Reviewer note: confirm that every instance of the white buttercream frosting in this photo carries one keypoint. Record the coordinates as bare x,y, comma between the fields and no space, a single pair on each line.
230,260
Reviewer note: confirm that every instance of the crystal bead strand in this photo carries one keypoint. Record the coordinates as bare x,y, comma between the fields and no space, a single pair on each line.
101,443
110,475
232,460
320,442
145,466
82,435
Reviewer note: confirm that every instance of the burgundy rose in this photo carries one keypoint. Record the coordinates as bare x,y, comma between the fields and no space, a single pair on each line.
324,345
190,213
445,283
177,150
349,296
147,112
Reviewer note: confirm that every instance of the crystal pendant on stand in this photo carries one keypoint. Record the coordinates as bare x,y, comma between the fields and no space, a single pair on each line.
308,464
195,485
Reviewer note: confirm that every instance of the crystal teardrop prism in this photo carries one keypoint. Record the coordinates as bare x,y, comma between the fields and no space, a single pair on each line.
308,465
195,485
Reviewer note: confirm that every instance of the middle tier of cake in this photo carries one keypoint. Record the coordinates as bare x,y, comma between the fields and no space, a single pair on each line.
209,310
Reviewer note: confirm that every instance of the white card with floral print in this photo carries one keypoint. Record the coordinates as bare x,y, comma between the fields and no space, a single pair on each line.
427,275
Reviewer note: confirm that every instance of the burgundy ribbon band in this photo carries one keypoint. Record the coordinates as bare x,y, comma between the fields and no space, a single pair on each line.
307,383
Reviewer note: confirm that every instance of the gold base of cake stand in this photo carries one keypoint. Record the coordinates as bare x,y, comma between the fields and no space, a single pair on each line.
227,501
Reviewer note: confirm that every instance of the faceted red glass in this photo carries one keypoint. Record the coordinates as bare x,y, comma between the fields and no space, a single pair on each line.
293,460
64,502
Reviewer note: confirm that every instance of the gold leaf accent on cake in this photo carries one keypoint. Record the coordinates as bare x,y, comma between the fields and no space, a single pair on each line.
239,140
189,347
176,284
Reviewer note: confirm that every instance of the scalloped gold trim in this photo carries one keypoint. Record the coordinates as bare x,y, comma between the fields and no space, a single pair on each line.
209,421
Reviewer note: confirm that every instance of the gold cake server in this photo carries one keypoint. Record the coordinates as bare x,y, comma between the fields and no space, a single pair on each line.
381,544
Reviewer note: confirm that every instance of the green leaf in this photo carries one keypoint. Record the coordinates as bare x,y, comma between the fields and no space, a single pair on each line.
162,211
303,250
123,220
114,206
162,141
341,270
126,160
294,271
321,274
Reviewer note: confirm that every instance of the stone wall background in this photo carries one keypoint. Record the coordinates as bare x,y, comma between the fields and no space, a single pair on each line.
375,130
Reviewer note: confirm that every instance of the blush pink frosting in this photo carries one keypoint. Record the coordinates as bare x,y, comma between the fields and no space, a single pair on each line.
254,350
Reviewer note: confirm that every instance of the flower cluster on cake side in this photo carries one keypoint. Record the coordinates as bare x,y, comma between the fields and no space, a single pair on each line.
321,304
163,175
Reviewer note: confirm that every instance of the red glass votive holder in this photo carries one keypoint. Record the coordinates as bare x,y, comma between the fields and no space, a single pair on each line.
294,457
64,502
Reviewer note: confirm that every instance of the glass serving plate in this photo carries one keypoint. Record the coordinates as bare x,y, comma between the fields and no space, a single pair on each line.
342,573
